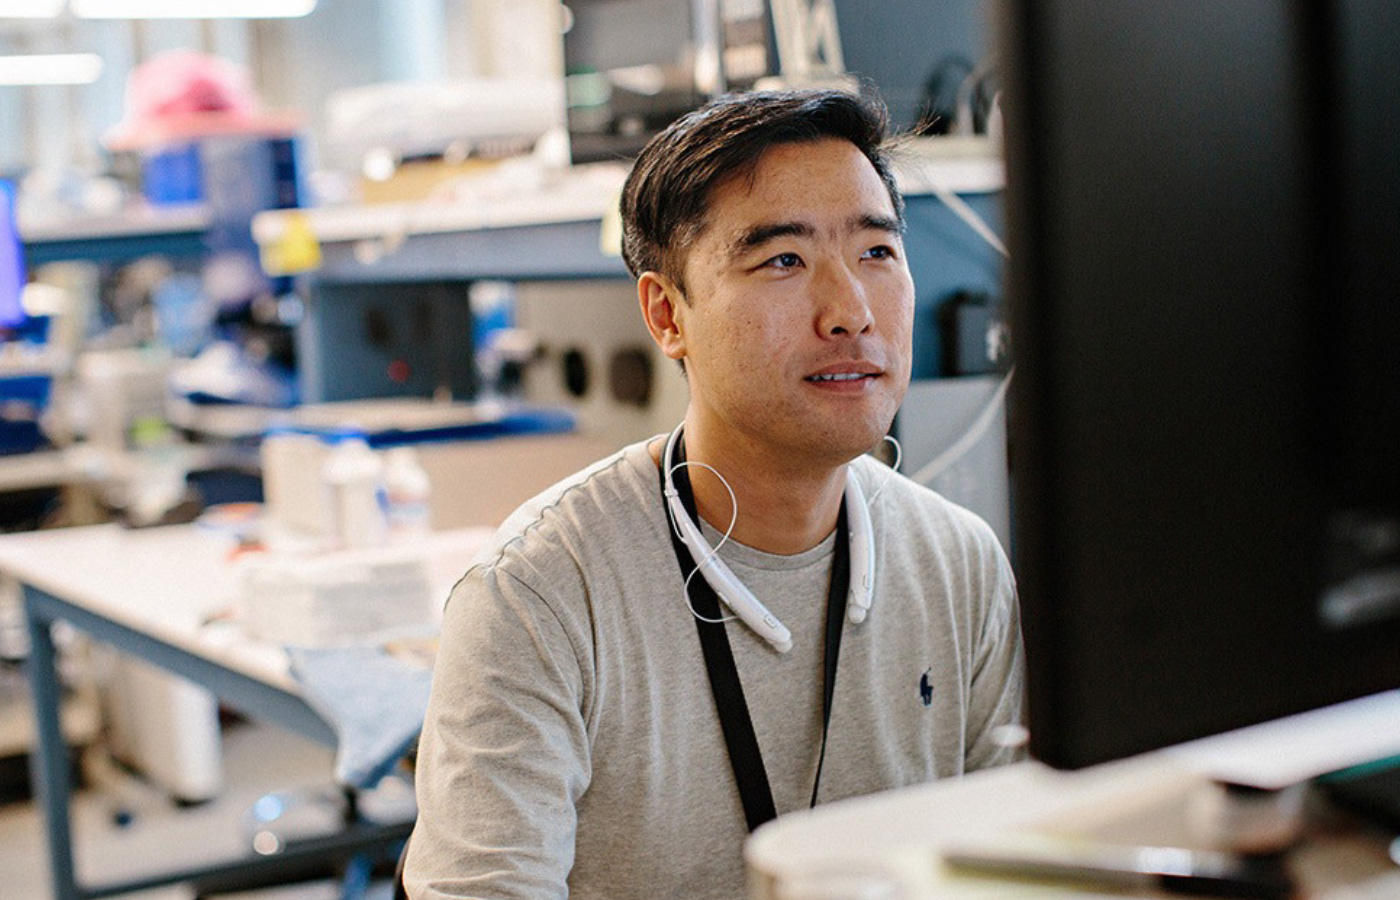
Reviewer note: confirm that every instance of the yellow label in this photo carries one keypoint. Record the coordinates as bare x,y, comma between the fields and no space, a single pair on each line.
294,250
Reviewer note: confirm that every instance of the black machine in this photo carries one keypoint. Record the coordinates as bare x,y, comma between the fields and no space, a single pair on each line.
633,67
1204,223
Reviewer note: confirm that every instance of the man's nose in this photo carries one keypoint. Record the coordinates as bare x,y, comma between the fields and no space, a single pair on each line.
843,305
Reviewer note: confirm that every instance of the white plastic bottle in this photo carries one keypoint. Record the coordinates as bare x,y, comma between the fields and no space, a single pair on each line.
352,474
408,495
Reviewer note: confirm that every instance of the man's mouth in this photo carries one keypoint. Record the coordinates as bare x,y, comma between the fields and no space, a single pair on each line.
842,376
849,372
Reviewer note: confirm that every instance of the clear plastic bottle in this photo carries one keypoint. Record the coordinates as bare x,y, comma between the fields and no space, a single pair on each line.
408,495
353,477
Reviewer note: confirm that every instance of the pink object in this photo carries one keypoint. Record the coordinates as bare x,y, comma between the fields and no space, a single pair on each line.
183,94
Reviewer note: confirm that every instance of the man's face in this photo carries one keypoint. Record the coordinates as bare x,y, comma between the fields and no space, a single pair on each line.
796,327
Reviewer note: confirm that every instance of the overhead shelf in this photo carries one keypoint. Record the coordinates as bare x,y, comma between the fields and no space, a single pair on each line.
556,227
142,231
961,165
549,227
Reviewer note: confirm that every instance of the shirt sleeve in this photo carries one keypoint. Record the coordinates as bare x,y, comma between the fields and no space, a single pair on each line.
503,757
998,675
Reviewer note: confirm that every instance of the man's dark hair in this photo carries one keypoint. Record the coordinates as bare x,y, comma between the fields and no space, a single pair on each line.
667,195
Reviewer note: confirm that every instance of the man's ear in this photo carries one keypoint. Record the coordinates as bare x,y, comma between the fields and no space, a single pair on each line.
663,309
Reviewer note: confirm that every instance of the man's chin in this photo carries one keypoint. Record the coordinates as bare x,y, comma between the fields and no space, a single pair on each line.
840,446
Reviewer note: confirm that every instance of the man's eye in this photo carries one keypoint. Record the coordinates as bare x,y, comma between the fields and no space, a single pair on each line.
785,261
881,252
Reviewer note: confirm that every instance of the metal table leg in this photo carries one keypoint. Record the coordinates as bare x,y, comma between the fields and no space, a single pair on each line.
358,842
49,757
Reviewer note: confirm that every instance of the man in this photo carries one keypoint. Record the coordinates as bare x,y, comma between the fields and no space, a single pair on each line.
573,744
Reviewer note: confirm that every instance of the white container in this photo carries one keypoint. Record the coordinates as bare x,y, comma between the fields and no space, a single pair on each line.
408,495
166,727
353,476
326,599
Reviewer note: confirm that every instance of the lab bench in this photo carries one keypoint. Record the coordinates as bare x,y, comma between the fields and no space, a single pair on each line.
154,593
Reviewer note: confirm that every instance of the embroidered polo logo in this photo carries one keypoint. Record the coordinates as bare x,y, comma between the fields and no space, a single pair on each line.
926,688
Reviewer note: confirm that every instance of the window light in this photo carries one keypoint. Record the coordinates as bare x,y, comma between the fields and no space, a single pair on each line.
191,9
50,68
30,9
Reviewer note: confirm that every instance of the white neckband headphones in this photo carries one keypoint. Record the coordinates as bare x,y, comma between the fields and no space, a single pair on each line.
731,590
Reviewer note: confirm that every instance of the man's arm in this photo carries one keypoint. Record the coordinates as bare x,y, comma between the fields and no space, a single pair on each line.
503,756
998,676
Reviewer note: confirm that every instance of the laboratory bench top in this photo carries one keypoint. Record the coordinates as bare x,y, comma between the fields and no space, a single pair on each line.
164,594
179,584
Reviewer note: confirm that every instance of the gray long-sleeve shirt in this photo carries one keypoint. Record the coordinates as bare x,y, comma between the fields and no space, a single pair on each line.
572,746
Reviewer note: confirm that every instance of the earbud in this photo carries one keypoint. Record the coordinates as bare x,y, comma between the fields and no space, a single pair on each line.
740,599
731,591
862,538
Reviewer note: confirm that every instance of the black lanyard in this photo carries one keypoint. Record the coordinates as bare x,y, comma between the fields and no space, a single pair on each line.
744,754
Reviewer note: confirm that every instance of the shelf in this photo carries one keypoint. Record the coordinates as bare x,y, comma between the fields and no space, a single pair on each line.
16,361
85,463
582,195
540,225
142,231
552,229
43,468
962,165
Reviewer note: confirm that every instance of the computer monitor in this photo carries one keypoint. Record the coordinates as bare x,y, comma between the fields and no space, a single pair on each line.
1203,205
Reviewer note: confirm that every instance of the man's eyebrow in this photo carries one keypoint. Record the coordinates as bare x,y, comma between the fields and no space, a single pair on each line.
878,223
759,235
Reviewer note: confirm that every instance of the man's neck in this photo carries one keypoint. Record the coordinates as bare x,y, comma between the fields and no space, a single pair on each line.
785,507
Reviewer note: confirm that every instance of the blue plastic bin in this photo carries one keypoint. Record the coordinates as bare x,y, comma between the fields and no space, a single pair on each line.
23,399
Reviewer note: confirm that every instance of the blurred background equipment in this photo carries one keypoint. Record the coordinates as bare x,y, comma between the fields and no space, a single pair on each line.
406,138
953,435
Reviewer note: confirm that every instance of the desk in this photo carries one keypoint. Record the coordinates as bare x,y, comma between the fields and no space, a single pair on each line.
149,593
888,845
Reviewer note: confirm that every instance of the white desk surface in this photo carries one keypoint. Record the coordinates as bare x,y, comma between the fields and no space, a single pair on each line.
897,835
888,845
168,583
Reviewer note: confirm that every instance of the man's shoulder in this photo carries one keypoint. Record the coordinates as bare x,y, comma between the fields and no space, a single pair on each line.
939,550
919,511
588,508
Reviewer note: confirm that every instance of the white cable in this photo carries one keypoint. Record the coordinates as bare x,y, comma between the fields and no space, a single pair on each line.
964,117
714,552
967,214
959,448
898,458
979,427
